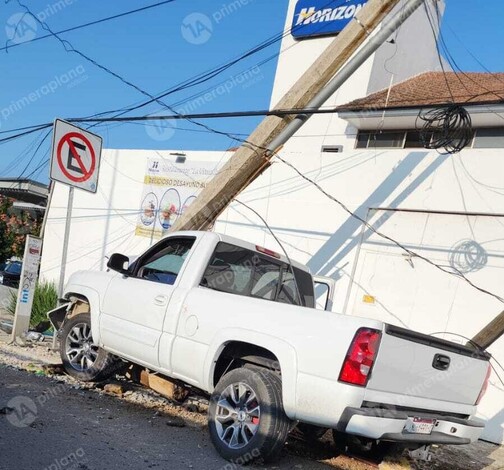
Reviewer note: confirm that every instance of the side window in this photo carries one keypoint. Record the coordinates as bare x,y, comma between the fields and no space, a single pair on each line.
164,262
306,287
288,293
240,271
244,272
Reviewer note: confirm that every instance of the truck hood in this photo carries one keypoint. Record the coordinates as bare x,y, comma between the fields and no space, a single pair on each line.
97,280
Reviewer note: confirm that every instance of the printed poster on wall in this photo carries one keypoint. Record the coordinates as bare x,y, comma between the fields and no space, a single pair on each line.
169,189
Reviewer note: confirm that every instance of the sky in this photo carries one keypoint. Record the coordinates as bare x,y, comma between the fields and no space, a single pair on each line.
155,50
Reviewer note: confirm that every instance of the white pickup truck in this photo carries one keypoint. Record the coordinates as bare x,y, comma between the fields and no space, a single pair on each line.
239,322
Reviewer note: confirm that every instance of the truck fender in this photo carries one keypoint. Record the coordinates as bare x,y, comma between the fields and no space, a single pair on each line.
285,353
77,295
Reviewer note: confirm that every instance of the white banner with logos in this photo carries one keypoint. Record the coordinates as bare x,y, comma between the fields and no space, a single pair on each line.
169,189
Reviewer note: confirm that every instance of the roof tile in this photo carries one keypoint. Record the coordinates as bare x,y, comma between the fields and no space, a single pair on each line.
435,88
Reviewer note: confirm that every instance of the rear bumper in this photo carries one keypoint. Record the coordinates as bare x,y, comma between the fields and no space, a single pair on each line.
388,425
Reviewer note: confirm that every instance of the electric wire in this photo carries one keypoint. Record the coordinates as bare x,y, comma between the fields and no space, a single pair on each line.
291,267
446,269
85,25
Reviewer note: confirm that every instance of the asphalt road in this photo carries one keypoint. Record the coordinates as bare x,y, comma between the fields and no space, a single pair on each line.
55,427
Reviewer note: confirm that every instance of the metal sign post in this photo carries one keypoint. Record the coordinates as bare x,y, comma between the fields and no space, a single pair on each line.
26,291
75,161
65,241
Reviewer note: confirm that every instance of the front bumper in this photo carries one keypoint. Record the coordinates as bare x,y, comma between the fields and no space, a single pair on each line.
388,425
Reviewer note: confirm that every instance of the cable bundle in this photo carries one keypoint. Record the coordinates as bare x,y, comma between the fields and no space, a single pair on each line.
468,256
448,128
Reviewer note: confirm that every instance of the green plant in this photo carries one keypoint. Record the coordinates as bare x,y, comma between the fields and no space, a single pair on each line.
15,224
11,306
44,300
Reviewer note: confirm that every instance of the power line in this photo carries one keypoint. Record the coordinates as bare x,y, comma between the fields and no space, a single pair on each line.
71,48
230,114
211,73
455,67
291,267
85,25
48,133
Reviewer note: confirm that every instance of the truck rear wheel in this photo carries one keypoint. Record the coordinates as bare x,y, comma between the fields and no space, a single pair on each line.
81,358
246,418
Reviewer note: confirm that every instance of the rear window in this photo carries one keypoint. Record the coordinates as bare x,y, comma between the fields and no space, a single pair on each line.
245,272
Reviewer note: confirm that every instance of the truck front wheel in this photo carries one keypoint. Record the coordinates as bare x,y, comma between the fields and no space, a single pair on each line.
81,358
246,418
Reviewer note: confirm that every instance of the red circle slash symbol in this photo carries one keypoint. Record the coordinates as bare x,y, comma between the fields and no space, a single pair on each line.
73,140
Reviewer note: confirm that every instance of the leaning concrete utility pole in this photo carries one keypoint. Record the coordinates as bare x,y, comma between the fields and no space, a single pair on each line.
311,91
490,334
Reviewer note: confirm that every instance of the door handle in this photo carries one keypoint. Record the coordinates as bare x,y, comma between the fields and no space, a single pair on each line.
160,300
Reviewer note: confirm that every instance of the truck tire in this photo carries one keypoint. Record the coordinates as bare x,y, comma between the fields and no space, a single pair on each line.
246,418
81,358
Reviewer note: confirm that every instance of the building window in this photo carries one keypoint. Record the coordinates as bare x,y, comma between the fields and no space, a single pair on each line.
380,139
489,137
409,139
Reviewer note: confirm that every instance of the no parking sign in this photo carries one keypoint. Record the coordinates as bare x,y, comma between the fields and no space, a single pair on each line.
75,157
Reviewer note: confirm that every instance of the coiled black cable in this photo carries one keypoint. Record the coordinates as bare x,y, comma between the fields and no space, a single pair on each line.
448,128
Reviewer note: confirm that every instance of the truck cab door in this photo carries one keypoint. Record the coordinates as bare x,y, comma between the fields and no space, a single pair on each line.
135,306
324,292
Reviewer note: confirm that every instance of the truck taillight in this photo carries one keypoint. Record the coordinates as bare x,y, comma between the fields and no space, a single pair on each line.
360,358
485,384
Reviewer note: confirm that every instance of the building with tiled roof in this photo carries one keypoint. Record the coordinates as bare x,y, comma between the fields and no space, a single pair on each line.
435,88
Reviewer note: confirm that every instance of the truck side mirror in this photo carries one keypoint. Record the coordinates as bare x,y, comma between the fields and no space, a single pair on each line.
119,263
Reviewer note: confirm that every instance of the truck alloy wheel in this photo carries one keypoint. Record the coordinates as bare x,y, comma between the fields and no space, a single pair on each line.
82,359
79,347
246,417
238,415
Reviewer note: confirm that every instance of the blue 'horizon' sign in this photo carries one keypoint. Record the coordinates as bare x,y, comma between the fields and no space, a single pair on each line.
314,18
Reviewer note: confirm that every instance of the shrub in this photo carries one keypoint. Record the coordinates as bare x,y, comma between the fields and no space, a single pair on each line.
44,300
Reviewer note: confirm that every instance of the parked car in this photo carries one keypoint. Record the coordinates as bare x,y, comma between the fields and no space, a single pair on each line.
238,322
10,274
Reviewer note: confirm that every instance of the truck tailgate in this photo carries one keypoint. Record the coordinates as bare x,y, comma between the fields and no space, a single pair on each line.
417,365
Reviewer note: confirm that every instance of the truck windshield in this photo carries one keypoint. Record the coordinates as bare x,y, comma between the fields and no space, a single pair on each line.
245,272
164,262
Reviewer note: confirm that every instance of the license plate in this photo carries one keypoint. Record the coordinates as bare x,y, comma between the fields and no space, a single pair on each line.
419,425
